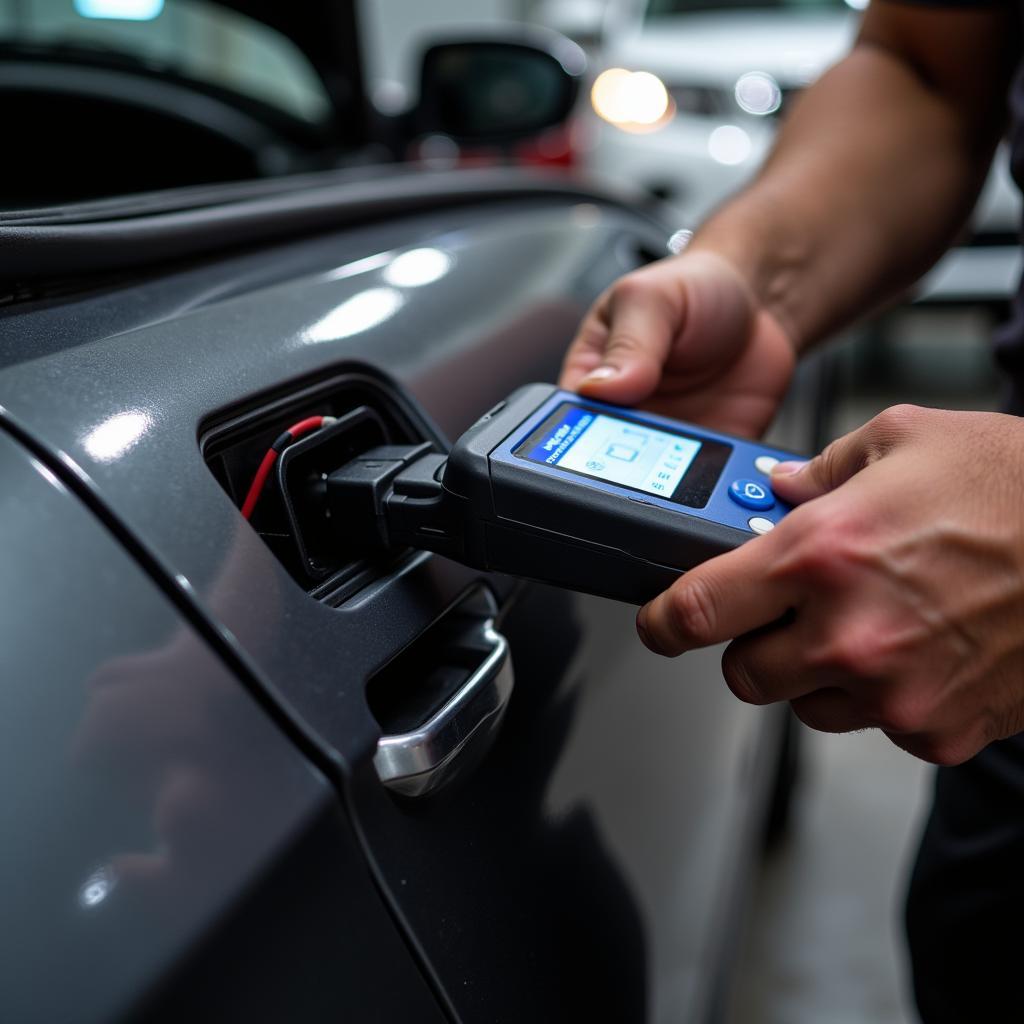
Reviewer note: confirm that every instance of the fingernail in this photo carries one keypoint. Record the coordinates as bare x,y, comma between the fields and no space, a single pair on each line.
641,628
601,373
641,614
787,468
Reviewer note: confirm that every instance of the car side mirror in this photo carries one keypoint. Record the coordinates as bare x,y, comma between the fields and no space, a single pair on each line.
493,91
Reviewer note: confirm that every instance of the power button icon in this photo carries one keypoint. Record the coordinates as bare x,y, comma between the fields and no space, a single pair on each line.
751,494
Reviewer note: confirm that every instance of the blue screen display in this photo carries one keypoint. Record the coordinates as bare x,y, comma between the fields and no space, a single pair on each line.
621,451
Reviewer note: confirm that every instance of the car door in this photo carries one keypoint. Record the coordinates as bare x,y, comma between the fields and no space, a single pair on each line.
582,864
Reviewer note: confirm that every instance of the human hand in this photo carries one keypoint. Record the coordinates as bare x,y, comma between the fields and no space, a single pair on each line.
684,337
892,597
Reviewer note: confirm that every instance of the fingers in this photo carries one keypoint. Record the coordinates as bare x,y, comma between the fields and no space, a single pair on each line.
621,347
765,666
721,599
830,710
768,666
797,482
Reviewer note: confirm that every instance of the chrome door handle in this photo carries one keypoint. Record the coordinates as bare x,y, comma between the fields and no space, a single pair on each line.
421,760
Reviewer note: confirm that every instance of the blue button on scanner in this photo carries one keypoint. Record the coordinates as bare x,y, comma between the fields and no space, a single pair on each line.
751,494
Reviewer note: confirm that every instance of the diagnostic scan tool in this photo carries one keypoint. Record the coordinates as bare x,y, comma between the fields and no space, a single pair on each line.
554,487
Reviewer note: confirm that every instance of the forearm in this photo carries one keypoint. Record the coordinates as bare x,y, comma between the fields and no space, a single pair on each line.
871,179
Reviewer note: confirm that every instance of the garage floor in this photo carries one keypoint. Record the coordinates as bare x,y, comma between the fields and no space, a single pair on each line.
824,945
824,941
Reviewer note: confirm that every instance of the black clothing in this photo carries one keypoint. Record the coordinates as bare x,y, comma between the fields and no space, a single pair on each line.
966,899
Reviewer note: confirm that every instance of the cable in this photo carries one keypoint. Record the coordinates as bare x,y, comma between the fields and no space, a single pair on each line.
292,434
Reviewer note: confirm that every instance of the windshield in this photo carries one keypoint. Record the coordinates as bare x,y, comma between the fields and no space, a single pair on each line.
201,41
657,8
112,97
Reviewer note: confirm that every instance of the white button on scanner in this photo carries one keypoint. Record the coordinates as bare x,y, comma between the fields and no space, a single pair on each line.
760,525
765,464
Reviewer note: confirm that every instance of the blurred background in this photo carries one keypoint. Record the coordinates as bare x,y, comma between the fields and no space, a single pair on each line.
682,100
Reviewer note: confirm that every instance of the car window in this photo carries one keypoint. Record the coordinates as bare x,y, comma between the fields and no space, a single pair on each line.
106,98
193,39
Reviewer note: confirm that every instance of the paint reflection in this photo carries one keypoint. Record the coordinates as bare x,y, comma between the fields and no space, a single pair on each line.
97,887
417,267
115,436
360,313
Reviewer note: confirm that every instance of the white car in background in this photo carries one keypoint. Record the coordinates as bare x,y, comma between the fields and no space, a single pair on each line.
689,101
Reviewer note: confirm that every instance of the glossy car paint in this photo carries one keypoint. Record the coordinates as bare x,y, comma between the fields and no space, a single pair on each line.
585,865
145,793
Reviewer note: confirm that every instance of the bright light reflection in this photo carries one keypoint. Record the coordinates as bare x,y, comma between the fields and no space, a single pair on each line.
679,240
45,473
417,267
363,266
606,92
758,93
729,144
96,888
858,5
632,100
360,313
113,437
645,97
124,10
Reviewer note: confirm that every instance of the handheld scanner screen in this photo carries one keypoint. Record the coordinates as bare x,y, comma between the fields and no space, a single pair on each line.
628,451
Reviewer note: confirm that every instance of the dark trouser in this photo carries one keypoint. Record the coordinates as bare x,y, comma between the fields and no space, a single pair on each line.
965,908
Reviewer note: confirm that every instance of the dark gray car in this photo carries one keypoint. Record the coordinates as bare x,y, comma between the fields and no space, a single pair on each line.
230,785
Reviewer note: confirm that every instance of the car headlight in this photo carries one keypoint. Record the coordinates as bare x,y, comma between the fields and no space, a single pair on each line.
635,101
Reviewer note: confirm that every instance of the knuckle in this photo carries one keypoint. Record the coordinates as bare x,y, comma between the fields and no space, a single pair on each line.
630,287
693,611
624,343
853,654
826,465
895,422
807,521
837,656
828,542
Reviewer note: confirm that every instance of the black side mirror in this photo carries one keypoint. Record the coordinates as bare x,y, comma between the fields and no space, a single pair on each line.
493,91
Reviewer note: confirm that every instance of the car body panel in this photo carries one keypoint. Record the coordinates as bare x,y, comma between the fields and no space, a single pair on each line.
150,807
586,863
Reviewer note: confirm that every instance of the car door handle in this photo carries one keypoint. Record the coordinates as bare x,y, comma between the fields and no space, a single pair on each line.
468,660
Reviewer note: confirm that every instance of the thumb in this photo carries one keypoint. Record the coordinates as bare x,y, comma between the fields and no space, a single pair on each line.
797,482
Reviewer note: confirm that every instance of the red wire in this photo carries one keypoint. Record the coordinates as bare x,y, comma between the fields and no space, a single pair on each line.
258,482
293,433
305,426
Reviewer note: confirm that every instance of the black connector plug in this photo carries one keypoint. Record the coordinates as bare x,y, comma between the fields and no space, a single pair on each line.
388,496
